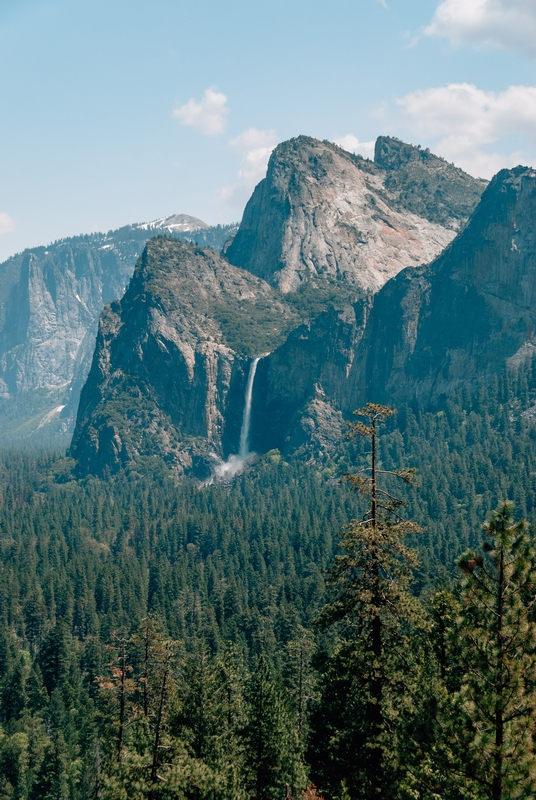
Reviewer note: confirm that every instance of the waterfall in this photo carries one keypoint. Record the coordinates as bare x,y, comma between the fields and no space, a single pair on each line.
246,419
235,463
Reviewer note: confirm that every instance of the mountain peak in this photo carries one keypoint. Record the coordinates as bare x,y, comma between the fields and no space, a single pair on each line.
324,215
176,223
459,320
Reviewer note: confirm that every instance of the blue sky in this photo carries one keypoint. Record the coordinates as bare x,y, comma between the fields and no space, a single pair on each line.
116,112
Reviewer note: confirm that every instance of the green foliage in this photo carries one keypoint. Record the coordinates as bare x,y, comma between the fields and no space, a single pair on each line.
234,576
498,635
252,328
311,300
374,670
273,767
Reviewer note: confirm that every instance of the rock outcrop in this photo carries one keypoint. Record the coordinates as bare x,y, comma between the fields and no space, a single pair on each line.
171,361
301,388
325,215
429,331
50,302
464,317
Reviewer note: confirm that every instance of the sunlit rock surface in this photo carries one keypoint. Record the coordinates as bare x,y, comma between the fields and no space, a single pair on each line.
323,214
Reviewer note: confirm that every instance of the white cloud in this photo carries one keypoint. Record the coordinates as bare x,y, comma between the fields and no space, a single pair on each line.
6,223
255,146
509,24
464,118
208,115
353,145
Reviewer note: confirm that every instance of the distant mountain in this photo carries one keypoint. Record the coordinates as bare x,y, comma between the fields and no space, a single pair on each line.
50,302
176,223
323,215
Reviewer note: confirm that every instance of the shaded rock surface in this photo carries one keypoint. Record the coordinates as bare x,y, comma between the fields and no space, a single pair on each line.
50,302
323,214
429,331
464,317
301,388
165,379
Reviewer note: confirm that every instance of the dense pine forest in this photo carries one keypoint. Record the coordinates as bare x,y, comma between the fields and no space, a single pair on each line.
286,635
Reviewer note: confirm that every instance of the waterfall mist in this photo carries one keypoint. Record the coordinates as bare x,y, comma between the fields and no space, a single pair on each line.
235,463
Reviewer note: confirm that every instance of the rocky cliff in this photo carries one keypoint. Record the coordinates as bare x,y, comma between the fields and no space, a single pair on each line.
430,330
171,361
325,215
169,372
464,317
50,302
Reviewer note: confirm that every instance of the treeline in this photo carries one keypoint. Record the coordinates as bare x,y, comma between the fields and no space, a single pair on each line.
159,640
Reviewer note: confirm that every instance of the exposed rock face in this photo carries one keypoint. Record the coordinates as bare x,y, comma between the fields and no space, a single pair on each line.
322,214
172,358
50,302
52,310
302,386
465,316
429,331
164,379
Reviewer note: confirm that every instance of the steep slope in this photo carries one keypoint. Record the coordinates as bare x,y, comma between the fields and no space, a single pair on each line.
324,215
50,302
171,361
418,181
429,331
465,316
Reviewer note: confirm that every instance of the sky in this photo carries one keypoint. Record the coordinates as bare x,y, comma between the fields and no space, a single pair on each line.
123,111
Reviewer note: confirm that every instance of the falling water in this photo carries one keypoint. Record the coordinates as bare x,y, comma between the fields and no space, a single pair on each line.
244,431
235,463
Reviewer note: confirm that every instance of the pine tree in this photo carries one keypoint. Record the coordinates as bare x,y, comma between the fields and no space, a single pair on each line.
498,639
52,780
273,765
368,682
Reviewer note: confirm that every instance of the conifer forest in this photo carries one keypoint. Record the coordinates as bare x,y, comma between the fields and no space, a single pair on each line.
268,400
357,628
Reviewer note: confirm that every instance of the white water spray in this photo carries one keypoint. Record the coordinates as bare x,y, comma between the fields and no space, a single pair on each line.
244,431
235,463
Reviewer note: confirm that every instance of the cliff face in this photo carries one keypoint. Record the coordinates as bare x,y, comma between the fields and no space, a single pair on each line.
50,302
428,331
322,214
465,316
172,358
301,388
171,361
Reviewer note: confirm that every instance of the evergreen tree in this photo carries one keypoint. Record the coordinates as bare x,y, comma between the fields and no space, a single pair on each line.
55,656
370,680
498,639
52,780
273,765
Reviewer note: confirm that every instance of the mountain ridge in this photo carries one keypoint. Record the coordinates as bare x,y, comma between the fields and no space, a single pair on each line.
323,214
163,378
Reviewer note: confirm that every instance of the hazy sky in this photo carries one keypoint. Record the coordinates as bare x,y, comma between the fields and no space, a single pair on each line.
116,112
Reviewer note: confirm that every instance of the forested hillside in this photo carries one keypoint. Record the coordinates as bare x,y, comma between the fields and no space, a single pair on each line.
162,639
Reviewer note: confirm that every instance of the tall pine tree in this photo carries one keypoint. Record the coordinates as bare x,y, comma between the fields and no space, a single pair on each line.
368,682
